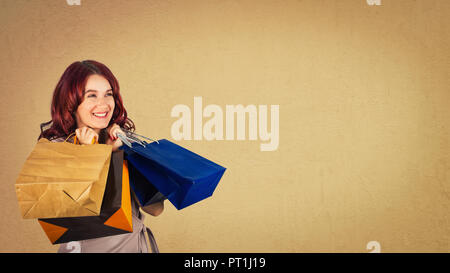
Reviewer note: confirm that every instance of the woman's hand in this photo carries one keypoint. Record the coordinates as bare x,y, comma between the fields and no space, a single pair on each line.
86,135
113,130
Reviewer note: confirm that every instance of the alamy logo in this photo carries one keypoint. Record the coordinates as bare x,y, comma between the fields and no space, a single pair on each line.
213,129
73,2
373,2
374,246
74,247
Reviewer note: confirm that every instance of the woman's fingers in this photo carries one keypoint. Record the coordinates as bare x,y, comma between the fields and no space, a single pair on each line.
113,133
77,133
114,130
84,131
110,131
117,144
117,131
86,135
91,136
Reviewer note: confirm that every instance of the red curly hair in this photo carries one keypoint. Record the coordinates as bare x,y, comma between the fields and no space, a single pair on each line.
69,93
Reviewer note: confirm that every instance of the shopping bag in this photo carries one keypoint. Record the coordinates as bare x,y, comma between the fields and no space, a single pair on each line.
60,179
180,175
143,189
115,216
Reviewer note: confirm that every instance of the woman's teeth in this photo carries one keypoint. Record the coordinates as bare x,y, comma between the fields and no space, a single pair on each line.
100,114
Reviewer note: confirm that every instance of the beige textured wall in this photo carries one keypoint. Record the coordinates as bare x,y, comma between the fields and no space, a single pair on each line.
364,117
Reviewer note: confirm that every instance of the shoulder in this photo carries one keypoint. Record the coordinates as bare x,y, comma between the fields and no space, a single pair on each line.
60,139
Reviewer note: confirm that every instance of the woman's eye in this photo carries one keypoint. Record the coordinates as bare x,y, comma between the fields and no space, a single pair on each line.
109,94
92,96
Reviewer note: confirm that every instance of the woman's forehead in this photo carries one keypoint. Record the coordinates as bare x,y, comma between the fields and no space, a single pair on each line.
97,83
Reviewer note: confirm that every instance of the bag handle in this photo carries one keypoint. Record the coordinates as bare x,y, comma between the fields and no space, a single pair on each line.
75,140
135,135
130,137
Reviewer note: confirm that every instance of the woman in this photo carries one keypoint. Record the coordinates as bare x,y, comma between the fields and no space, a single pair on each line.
87,102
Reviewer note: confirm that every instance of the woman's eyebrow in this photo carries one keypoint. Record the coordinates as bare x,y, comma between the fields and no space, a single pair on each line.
92,90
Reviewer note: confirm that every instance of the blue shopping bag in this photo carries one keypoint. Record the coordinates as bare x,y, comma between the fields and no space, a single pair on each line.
178,174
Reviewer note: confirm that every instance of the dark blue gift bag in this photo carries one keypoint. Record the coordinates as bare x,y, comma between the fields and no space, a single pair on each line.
180,175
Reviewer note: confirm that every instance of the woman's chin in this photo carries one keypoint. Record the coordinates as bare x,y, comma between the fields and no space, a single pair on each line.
99,124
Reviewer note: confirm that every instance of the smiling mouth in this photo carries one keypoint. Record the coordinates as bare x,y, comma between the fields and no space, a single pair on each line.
100,114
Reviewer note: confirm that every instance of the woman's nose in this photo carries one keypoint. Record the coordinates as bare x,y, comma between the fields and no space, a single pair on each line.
103,102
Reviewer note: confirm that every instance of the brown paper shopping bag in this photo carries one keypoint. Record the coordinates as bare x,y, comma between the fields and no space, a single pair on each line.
115,216
61,179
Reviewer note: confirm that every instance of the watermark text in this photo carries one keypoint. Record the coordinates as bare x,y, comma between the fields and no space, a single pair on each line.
221,126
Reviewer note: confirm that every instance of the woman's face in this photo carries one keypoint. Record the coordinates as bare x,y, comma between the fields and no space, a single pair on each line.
98,104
